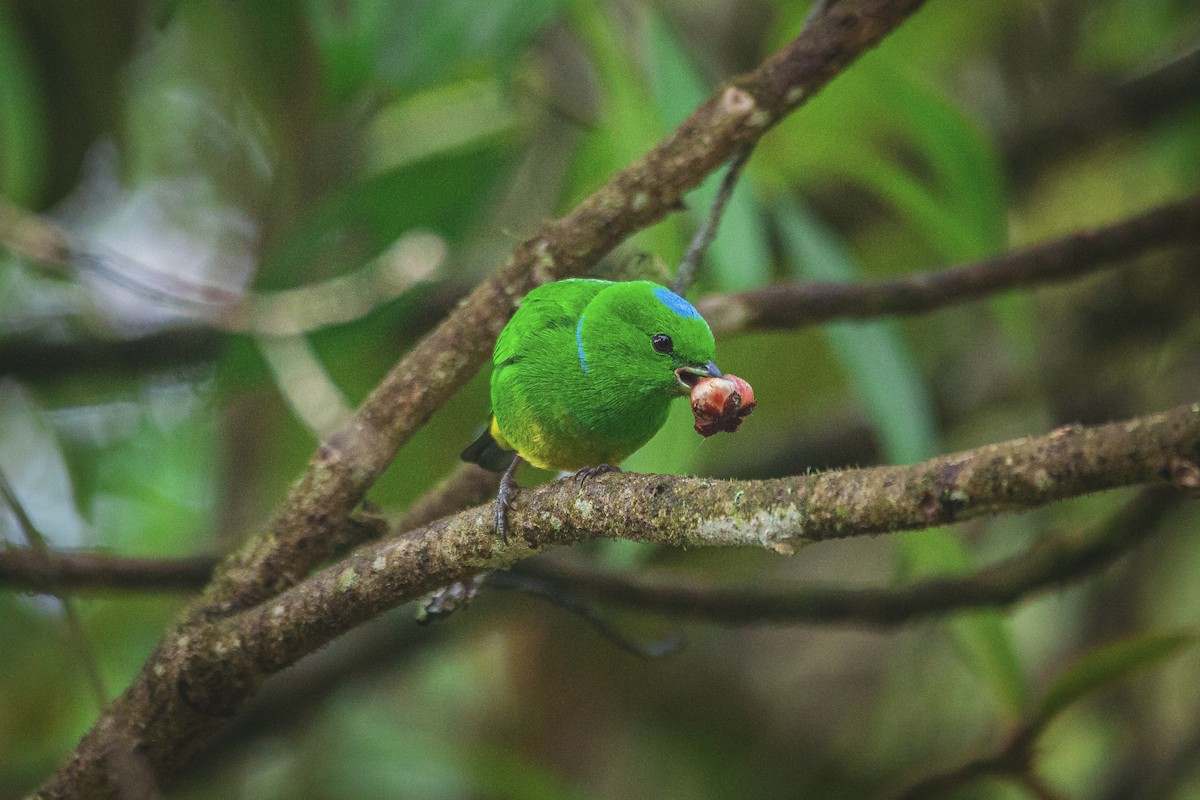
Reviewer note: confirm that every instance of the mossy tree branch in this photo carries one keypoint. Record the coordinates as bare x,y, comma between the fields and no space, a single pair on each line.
779,515
1057,559
204,675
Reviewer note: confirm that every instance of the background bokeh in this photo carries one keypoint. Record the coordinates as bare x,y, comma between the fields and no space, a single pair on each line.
384,156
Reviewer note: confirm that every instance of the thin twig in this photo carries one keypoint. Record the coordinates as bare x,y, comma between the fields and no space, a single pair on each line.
686,273
793,305
76,635
532,584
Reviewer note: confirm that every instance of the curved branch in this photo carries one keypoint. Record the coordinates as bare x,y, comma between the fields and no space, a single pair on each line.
778,515
201,676
1053,561
793,305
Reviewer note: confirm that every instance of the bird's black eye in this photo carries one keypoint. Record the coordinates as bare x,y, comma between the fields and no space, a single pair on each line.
662,343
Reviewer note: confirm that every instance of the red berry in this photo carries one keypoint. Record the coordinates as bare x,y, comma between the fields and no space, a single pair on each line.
720,404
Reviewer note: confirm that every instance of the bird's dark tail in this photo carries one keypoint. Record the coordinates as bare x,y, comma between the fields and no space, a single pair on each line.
487,452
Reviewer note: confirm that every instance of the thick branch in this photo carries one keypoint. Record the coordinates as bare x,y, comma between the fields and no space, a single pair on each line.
777,514
197,680
792,305
1055,560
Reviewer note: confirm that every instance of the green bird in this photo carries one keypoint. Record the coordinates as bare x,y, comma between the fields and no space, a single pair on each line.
584,374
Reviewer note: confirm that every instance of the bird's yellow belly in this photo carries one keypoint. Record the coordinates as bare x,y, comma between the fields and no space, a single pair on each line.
545,450
549,446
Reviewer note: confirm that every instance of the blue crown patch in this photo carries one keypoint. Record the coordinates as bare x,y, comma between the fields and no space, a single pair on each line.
676,303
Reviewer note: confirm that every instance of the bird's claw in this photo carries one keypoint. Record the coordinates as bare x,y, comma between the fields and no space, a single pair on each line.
584,473
503,503
504,498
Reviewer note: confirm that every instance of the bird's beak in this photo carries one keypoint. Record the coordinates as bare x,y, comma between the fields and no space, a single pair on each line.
690,376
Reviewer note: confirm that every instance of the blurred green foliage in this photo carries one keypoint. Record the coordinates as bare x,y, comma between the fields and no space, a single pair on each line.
208,143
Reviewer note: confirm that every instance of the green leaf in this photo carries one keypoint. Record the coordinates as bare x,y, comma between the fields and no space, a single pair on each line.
349,38
506,774
920,153
441,193
628,124
465,114
1109,665
887,381
22,125
428,41
739,257
874,355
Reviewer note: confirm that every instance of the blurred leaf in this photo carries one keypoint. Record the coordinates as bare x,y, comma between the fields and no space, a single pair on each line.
1124,34
22,125
1110,665
33,463
887,381
628,122
428,41
461,115
914,149
510,775
183,119
964,165
874,356
739,258
349,37
441,193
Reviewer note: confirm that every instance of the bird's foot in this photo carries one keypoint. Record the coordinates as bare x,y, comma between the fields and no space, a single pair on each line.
583,474
504,498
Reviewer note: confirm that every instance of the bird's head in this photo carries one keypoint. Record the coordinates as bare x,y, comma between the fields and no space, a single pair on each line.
649,336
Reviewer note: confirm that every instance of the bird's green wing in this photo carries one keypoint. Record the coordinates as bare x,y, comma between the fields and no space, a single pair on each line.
552,306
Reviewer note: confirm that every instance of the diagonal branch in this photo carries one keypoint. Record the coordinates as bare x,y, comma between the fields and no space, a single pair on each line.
792,305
